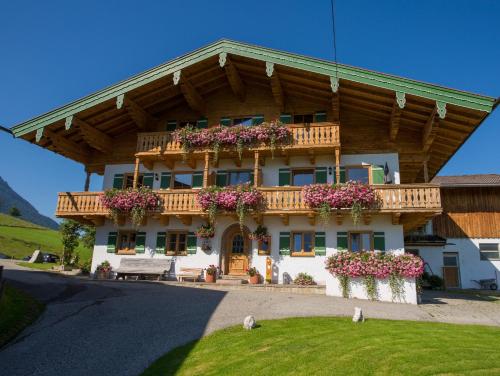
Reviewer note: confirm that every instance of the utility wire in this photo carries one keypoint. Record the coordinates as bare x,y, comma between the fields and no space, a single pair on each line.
332,3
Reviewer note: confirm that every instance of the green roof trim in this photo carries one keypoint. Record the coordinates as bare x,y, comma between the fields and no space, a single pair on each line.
385,81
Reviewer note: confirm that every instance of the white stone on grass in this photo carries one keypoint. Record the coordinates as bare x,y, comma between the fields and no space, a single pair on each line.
358,315
249,323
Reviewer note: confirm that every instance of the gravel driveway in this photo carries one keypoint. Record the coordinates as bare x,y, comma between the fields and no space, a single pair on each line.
108,328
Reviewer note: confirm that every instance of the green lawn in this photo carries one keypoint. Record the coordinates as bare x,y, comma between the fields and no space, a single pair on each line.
337,346
19,238
37,265
17,310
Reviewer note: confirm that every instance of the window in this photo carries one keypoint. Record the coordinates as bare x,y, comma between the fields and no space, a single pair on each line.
239,177
246,121
264,247
128,181
303,243
177,243
360,241
126,242
489,251
183,181
306,118
359,173
302,177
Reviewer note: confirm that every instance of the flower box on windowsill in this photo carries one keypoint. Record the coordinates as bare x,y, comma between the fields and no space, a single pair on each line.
126,252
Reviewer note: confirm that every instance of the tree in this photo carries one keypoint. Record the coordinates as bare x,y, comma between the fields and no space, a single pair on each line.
14,212
88,236
70,234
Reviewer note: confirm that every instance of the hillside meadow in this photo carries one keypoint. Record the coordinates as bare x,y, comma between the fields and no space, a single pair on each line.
19,238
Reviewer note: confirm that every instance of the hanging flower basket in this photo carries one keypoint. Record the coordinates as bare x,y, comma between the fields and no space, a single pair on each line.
327,197
205,231
260,234
133,203
238,137
241,199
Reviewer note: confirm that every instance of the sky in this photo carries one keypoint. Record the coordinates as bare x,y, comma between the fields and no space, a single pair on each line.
54,52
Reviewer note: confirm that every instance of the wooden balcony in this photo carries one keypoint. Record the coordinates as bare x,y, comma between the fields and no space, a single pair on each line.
320,138
409,205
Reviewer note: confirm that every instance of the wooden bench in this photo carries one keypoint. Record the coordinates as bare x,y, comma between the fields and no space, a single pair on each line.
143,266
189,273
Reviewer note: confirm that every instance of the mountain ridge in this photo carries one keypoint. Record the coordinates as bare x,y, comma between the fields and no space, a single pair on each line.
10,198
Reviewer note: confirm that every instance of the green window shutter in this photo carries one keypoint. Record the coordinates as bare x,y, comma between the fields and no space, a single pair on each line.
140,242
191,243
171,126
112,242
221,179
252,178
118,181
197,179
320,173
377,174
147,180
320,244
284,177
160,242
379,241
284,243
257,119
165,180
320,117
202,123
342,176
342,241
225,122
286,118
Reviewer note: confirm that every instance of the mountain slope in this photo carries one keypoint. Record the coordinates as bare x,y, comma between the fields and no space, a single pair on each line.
19,238
9,198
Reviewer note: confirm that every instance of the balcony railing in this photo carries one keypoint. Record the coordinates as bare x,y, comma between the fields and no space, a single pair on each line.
317,135
279,200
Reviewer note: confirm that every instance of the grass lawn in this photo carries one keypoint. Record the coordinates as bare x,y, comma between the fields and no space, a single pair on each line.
19,238
327,346
17,310
37,265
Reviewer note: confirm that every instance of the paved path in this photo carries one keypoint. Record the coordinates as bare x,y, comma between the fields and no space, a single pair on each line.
119,328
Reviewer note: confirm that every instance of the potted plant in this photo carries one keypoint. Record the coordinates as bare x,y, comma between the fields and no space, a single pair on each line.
254,275
211,274
260,234
103,271
304,279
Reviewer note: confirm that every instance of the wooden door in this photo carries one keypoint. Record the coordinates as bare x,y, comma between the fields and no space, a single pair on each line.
451,270
237,254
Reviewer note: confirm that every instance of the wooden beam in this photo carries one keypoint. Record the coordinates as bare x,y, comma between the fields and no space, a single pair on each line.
256,181
396,218
285,219
87,181
95,138
431,127
276,88
164,220
397,107
136,173
169,163
148,164
337,165
66,147
334,83
139,115
185,219
235,81
312,219
206,170
339,218
193,98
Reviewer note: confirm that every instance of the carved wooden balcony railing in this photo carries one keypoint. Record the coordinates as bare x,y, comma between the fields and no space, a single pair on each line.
317,135
423,200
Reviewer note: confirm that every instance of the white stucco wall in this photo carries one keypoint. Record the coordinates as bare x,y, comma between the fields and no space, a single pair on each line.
282,265
470,263
384,293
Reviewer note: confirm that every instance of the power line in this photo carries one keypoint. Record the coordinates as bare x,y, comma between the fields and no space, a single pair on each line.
332,3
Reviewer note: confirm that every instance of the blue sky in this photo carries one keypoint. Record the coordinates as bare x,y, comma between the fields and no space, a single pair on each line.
54,52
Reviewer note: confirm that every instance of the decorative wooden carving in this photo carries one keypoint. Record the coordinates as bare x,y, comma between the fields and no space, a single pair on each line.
285,219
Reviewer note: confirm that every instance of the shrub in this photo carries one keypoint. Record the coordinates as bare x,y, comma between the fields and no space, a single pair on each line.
252,271
211,270
105,266
304,279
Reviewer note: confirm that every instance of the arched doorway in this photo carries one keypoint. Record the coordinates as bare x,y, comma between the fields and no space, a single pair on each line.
235,250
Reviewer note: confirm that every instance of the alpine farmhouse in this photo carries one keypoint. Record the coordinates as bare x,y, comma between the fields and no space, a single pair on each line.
344,123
